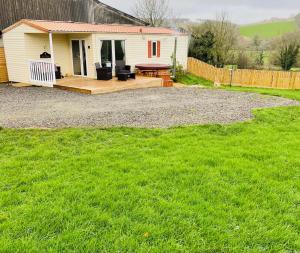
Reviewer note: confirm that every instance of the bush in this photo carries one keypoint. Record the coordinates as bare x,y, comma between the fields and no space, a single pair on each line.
259,59
213,41
297,65
179,72
287,48
243,61
288,55
202,48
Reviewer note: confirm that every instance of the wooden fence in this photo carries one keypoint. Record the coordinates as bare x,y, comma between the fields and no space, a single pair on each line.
3,69
245,77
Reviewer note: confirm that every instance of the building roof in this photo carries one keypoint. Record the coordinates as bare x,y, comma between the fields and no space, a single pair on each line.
75,27
108,7
65,10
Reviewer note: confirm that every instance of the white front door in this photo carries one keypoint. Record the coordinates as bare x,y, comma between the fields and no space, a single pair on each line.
79,58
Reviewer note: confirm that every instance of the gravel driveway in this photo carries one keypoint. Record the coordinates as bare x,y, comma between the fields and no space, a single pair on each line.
34,107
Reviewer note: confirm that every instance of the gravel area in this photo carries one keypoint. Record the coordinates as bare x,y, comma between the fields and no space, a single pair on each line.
34,107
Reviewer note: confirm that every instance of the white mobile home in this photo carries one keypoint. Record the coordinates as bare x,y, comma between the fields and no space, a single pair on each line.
76,47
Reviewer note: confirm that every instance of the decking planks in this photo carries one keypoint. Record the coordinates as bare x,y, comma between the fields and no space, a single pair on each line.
91,86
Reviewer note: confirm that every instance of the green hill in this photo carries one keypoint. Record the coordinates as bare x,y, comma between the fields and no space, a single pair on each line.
268,30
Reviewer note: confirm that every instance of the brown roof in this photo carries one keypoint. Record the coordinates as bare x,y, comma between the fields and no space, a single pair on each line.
68,27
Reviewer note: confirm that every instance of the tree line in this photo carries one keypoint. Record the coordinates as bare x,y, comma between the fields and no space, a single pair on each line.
218,42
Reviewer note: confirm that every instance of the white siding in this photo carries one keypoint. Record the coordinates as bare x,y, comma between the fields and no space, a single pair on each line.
15,52
182,50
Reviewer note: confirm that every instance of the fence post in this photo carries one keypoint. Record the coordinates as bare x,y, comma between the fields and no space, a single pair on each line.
231,76
292,80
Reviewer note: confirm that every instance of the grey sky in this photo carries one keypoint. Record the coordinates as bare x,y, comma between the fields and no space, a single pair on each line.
239,11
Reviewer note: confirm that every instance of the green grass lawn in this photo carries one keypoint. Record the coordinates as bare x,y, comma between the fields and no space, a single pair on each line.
211,188
190,79
268,30
292,94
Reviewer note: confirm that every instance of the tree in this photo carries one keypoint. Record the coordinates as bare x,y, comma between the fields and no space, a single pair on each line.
154,12
297,18
259,59
203,48
243,60
259,52
225,35
288,54
286,50
257,42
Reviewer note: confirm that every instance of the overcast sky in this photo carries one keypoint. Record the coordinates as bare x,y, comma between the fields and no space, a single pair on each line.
239,11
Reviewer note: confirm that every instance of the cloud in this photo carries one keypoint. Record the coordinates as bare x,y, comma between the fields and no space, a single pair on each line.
239,11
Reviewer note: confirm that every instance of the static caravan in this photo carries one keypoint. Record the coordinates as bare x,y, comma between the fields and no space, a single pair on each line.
76,47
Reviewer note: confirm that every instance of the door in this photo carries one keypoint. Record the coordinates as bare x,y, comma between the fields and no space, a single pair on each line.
79,58
106,53
112,53
120,52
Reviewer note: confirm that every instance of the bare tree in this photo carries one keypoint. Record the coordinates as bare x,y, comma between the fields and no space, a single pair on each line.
154,12
226,38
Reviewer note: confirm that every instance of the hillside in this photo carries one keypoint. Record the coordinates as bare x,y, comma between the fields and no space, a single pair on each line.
268,30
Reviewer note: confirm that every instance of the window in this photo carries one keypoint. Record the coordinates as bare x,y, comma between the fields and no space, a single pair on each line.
106,52
154,48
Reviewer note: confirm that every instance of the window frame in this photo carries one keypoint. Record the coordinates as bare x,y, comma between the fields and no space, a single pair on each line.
156,48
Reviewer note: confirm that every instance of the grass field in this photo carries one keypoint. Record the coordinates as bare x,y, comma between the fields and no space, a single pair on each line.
210,188
190,79
292,94
268,30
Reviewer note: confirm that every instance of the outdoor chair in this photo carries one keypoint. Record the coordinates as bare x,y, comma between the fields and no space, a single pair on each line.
58,74
122,76
103,73
121,70
97,65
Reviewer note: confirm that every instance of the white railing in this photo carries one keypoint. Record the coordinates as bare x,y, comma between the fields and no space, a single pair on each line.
42,72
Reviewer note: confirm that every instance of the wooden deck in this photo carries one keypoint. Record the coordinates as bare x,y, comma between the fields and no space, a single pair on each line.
92,86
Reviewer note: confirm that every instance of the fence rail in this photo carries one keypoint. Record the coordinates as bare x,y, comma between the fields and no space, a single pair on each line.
3,68
245,77
41,73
